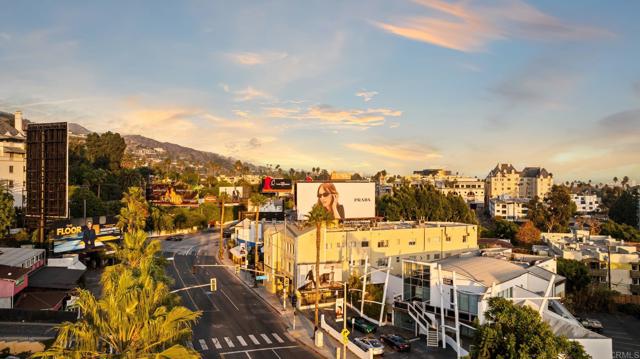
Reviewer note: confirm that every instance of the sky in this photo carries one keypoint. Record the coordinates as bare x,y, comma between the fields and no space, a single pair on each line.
342,85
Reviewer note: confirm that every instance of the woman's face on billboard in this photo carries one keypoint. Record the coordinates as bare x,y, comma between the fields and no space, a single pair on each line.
325,197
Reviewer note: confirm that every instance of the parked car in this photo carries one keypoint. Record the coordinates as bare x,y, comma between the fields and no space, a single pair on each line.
176,237
591,324
363,325
372,344
396,342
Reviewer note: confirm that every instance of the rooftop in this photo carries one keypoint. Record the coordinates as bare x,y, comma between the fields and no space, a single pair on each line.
485,270
55,277
12,273
16,256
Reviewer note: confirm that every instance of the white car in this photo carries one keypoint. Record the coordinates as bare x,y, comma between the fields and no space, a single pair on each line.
370,343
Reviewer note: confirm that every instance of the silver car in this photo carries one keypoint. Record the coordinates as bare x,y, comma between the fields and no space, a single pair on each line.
370,343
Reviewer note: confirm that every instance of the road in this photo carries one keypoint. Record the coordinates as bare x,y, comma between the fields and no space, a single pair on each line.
236,323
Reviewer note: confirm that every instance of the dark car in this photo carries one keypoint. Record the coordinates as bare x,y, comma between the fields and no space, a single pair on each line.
176,237
396,342
363,325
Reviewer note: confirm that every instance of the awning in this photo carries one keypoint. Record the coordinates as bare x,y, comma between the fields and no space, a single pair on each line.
238,252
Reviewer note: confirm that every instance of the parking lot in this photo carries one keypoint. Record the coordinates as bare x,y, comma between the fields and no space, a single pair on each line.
419,347
623,329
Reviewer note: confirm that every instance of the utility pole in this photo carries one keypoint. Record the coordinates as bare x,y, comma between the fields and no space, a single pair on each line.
364,284
344,319
609,264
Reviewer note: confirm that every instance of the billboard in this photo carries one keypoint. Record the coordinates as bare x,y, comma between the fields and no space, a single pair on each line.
330,276
75,235
345,200
173,194
274,185
235,193
47,170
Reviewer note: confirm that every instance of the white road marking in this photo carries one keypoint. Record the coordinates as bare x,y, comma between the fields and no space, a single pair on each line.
266,338
241,340
184,285
225,294
277,338
229,342
257,350
190,345
254,340
203,344
216,343
248,356
274,352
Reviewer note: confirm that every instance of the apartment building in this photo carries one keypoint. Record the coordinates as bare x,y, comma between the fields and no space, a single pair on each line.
511,209
586,203
505,180
13,156
471,189
605,257
290,253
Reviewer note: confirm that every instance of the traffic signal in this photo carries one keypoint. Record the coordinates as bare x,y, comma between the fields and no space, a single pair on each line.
237,269
214,284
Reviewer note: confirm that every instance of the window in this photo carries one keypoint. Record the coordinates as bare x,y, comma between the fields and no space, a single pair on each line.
362,263
507,293
10,183
364,244
436,256
10,169
412,242
397,259
383,244
464,239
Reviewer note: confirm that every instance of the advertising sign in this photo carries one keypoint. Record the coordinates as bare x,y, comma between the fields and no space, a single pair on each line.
330,276
271,185
235,193
345,200
339,309
173,194
77,235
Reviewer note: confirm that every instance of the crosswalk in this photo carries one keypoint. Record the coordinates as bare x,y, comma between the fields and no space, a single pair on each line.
239,341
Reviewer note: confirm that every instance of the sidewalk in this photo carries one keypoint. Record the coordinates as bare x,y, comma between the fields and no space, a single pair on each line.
303,332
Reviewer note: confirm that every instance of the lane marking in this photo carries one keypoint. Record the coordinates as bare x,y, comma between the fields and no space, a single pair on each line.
229,342
216,343
184,285
254,340
190,345
248,356
274,352
266,338
203,344
230,301
241,340
277,338
258,350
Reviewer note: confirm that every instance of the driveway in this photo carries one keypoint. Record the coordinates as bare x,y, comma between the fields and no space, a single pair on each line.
623,329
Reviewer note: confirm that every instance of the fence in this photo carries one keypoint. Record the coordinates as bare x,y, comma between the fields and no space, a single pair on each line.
351,346
626,298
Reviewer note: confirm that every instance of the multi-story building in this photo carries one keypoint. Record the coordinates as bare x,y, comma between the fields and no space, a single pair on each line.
13,156
505,180
587,203
610,261
511,209
471,189
347,250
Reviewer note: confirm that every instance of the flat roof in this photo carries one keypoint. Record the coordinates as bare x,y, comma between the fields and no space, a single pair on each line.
485,270
12,273
16,256
55,278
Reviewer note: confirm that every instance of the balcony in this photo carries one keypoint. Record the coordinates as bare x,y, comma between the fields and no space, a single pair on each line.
635,289
598,272
635,273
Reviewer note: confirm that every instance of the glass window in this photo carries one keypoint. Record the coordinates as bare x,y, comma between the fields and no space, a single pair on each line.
365,244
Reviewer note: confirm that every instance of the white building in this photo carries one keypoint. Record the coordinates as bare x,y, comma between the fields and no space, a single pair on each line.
511,209
471,189
586,203
429,294
13,156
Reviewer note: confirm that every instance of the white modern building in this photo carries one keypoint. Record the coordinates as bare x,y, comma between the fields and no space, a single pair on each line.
511,209
13,156
442,299
589,203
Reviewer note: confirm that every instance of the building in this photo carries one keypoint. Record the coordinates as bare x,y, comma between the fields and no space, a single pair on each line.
12,281
605,257
471,189
511,209
28,258
586,203
505,180
13,155
348,250
428,296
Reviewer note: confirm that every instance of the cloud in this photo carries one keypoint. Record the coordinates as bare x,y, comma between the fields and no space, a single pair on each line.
255,58
225,88
239,113
249,93
470,27
620,126
405,152
335,116
366,95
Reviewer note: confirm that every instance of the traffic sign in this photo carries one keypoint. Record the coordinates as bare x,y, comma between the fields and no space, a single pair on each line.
214,284
262,277
286,282
345,335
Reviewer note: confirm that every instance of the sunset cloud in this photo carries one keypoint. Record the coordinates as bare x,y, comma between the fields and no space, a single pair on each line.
255,58
366,95
470,27
405,152
358,118
249,93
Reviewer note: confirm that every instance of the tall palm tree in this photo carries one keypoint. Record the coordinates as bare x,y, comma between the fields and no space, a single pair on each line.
224,197
258,200
318,216
134,213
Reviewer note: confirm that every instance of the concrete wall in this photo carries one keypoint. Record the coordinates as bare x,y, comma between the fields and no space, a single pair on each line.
597,348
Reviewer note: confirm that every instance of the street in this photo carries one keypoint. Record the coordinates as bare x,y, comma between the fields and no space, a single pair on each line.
235,323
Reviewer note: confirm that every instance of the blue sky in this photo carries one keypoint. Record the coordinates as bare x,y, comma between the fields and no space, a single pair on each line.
344,85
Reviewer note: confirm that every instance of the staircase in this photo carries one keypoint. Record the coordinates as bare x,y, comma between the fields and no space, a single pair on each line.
426,321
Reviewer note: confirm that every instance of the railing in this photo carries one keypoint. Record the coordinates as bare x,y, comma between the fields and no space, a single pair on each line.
635,273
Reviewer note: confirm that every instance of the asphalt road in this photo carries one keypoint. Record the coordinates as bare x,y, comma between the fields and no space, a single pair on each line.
235,322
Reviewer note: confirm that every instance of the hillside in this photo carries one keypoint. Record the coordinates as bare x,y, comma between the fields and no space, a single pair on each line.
9,118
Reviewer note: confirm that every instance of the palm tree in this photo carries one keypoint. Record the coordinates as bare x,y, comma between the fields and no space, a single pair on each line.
224,197
615,180
318,216
134,213
258,200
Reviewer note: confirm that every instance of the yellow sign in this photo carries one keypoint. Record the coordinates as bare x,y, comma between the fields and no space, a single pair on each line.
345,333
68,230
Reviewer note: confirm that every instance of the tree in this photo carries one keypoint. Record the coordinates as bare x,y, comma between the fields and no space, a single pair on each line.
80,196
7,211
513,331
576,272
625,209
134,213
620,231
505,229
105,150
552,214
258,200
224,197
528,234
318,217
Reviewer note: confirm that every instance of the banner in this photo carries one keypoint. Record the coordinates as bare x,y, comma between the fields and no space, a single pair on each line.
344,200
339,309
330,276
272,185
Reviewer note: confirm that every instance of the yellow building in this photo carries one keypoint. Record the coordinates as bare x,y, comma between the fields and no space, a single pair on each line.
505,181
344,250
